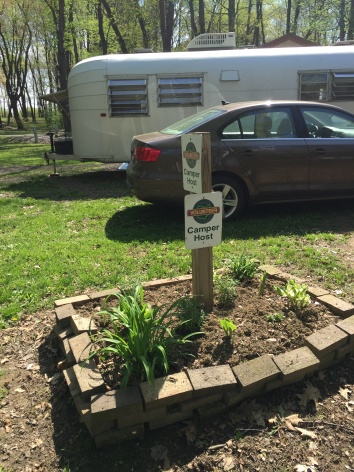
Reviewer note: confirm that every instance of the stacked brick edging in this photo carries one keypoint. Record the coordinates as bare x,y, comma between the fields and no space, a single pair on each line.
118,415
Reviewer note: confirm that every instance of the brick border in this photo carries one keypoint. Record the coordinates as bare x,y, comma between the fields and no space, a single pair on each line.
119,415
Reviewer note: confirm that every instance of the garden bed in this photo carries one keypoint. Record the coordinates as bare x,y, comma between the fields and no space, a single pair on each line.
262,354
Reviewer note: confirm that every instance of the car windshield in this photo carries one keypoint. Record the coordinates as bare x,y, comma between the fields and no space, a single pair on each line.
191,122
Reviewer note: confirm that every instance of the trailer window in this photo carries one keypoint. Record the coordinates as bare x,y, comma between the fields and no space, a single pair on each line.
314,87
343,86
180,91
326,86
127,97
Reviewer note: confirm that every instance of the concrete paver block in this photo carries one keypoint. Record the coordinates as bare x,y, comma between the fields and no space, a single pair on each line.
256,373
75,301
84,411
111,404
61,333
169,418
338,306
271,270
63,315
79,325
209,380
71,381
157,414
103,294
326,340
166,391
65,347
317,291
116,436
347,326
81,347
295,364
213,409
89,379
198,402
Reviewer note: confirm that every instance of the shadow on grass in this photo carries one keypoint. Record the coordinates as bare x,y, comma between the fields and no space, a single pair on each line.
156,222
93,184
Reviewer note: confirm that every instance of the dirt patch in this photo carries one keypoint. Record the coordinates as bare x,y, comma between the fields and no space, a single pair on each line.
306,427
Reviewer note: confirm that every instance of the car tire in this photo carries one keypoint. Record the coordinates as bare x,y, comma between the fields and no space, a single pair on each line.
233,195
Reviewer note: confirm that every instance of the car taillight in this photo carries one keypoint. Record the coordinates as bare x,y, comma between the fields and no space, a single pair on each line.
146,154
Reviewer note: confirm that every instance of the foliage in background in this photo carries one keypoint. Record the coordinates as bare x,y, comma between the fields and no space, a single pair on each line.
138,336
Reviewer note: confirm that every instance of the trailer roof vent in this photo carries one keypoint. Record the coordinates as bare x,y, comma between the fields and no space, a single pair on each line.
212,41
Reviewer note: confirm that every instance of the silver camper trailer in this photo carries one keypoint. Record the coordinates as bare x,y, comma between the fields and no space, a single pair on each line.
114,97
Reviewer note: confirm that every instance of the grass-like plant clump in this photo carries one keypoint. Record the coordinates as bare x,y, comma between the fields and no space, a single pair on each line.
243,268
139,336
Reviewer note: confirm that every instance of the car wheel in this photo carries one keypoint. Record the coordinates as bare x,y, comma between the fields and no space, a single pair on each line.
233,195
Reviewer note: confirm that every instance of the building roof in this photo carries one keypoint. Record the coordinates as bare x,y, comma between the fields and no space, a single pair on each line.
289,40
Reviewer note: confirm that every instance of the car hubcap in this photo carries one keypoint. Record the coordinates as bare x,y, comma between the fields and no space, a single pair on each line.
229,198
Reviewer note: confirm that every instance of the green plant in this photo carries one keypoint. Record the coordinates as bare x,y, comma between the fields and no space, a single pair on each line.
138,336
243,268
225,288
275,317
190,313
263,283
295,293
227,325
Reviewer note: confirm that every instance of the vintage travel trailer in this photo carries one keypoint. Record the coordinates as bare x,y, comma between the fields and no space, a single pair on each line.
114,97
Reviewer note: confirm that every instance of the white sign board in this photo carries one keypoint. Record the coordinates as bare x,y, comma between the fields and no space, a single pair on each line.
192,162
203,220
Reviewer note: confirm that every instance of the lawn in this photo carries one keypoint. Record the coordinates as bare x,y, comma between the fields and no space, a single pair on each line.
62,236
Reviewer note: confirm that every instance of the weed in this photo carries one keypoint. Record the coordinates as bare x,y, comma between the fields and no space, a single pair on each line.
227,325
295,293
243,268
263,283
190,313
275,317
137,335
225,288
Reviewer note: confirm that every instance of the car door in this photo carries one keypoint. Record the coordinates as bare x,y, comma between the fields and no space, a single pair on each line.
275,160
331,149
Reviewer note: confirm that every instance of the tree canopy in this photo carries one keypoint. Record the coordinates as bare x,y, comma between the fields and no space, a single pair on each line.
41,40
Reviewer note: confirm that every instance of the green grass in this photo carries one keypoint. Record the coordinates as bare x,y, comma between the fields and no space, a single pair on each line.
84,231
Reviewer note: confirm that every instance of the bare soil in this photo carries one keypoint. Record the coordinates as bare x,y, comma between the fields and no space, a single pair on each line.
308,426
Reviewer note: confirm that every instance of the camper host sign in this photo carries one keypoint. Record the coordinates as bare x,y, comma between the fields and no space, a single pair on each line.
192,162
203,220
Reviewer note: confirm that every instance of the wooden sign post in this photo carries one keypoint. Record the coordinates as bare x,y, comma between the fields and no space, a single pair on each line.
203,213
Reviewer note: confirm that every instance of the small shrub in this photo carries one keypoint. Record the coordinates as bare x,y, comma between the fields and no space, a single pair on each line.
139,336
227,325
225,288
295,293
243,268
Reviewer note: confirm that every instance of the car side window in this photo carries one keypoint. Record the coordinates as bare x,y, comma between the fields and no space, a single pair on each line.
322,123
261,124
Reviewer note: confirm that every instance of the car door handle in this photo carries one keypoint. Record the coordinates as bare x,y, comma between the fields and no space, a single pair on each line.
248,152
320,152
